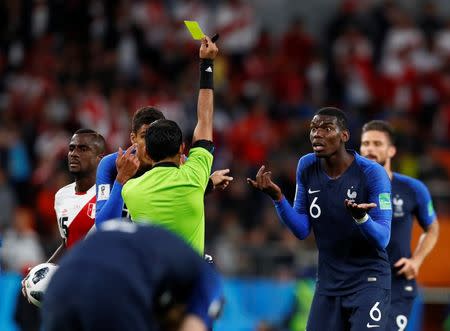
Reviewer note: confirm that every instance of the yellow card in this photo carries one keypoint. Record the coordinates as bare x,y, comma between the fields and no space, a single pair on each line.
194,29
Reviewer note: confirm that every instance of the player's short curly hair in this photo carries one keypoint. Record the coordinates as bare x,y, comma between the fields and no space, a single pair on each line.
145,115
382,126
163,139
97,139
335,112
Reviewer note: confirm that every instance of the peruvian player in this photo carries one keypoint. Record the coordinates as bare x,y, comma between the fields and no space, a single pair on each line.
75,203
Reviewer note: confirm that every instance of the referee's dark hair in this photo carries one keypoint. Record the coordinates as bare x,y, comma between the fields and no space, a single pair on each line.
335,112
382,126
97,139
163,139
145,115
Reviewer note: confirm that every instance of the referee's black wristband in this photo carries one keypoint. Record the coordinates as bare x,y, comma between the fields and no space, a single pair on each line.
206,74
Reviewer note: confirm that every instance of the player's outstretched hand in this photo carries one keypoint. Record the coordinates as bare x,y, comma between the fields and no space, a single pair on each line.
263,182
358,210
208,49
127,164
220,179
408,267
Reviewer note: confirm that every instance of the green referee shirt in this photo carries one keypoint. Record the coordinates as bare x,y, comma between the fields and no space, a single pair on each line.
173,197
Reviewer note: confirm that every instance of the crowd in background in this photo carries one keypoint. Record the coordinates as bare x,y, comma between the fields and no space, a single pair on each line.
92,63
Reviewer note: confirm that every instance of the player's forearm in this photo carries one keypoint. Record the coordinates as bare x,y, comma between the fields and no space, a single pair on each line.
58,253
377,233
426,242
110,208
298,223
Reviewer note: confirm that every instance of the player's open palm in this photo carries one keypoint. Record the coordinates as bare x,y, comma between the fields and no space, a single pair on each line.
358,210
208,49
127,164
263,182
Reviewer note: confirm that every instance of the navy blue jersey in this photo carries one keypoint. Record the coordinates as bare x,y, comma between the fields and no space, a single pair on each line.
351,256
410,198
109,203
147,267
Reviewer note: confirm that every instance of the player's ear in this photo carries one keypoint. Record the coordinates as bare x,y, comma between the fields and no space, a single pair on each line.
345,135
392,151
132,137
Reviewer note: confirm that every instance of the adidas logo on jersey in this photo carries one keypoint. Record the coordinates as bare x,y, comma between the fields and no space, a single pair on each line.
209,69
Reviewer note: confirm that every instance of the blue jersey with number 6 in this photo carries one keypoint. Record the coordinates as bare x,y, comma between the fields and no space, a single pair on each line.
351,256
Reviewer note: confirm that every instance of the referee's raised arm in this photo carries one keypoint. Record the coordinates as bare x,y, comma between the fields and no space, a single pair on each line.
205,107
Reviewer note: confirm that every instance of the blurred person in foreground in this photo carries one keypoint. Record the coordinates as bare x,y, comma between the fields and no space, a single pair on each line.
117,168
160,282
345,199
410,198
171,194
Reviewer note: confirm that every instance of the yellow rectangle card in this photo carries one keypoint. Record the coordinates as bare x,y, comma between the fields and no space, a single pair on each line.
194,29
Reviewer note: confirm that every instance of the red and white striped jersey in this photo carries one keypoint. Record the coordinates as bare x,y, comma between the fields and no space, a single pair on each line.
75,213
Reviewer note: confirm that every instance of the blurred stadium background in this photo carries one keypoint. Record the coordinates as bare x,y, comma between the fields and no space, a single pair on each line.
66,64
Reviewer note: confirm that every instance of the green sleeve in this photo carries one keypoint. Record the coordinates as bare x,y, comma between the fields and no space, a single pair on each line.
198,166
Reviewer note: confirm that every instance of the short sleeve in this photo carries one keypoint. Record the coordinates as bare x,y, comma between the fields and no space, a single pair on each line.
198,166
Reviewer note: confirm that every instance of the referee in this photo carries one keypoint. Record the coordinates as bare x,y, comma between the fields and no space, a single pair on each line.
171,195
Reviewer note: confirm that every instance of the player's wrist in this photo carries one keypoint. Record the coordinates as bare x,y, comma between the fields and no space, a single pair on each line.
277,197
361,219
121,180
206,74
417,260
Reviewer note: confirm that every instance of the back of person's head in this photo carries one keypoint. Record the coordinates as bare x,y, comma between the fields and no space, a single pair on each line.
97,140
382,126
341,118
163,139
145,116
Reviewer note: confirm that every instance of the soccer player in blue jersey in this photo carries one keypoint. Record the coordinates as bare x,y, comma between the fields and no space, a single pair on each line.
345,199
117,168
410,198
131,277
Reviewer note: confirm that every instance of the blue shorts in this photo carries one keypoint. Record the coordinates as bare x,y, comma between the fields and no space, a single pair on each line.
363,310
399,313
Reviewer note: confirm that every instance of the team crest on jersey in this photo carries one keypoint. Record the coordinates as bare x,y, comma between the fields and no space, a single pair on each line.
91,210
398,206
351,194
